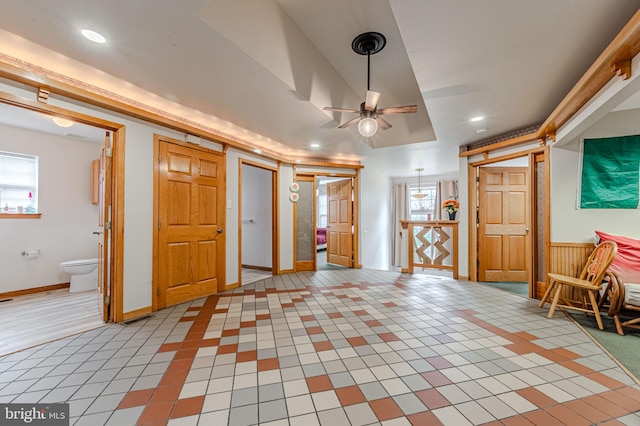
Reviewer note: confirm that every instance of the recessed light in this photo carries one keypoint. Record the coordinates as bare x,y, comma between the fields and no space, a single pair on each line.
315,145
62,122
477,118
93,36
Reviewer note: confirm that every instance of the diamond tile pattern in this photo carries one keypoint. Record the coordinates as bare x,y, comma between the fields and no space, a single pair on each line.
333,347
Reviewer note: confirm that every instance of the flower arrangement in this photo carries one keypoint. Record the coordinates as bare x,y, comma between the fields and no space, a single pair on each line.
451,205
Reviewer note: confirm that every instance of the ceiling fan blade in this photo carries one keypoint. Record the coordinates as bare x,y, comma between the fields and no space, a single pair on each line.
340,109
399,110
371,101
383,124
349,123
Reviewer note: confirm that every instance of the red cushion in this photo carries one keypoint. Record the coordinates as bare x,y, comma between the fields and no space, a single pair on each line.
627,262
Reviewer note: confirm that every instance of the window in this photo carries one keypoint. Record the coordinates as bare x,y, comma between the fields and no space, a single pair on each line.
18,183
423,208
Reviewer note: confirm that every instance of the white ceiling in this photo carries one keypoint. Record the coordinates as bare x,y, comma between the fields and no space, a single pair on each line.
270,66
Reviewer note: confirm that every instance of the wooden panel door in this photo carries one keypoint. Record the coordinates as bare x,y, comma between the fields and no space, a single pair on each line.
191,218
339,223
503,246
104,229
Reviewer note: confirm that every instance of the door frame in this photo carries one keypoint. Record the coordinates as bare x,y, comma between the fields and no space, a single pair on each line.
473,173
116,265
275,235
155,285
355,212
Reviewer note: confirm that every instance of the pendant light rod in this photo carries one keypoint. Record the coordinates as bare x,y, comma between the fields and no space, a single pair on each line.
368,70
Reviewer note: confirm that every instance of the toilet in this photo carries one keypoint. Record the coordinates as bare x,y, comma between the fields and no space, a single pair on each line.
84,274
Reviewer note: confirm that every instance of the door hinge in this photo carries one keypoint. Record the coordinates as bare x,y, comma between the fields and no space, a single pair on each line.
478,179
108,152
158,225
107,226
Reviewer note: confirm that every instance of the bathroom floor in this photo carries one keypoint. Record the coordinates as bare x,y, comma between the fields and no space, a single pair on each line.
34,319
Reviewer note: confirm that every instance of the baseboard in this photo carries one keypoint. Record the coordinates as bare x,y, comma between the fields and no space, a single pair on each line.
286,271
137,313
232,286
462,277
33,290
259,268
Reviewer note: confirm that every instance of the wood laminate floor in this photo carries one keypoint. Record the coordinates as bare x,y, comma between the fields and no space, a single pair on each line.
32,320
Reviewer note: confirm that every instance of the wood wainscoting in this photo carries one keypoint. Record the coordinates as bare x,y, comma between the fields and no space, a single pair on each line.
565,259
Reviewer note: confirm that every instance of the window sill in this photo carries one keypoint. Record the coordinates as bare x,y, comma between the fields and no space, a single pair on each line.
20,215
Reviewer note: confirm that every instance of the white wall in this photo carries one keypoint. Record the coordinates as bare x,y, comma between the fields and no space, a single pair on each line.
570,224
256,216
64,232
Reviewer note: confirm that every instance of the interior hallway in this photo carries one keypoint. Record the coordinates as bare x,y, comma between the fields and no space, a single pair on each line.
334,347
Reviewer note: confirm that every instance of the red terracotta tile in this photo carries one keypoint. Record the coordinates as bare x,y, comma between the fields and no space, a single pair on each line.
322,346
389,337
167,393
357,341
424,418
247,324
624,398
136,398
307,318
334,315
607,381
360,312
432,398
180,365
186,354
567,416
191,344
156,412
436,378
373,323
168,347
558,355
171,378
186,319
577,367
247,356
350,395
319,383
268,364
536,397
357,299
209,342
194,308
516,421
263,317
540,417
390,304
231,332
587,411
525,336
523,348
227,349
315,330
187,407
342,296
385,409
600,403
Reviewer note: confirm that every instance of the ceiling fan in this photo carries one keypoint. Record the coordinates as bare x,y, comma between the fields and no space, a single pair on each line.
369,119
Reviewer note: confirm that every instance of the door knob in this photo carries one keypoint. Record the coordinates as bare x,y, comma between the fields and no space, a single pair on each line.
220,230
97,232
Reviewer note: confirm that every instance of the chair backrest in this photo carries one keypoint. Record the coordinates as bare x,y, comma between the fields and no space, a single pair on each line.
598,262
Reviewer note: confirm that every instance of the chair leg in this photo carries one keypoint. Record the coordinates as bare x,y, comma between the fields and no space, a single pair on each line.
555,301
547,293
616,320
596,312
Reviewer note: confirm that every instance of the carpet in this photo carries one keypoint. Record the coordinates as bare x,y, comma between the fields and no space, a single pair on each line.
624,349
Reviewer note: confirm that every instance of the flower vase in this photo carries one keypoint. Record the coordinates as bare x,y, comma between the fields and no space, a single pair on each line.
452,215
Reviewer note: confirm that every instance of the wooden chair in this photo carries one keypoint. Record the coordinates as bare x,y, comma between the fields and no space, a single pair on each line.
589,283
613,298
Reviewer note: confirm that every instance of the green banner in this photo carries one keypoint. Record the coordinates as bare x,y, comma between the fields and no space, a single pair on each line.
610,173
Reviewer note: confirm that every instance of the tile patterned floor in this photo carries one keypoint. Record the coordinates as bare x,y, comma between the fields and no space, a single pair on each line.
354,347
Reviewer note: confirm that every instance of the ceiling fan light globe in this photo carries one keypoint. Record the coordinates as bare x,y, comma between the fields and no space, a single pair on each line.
419,195
368,127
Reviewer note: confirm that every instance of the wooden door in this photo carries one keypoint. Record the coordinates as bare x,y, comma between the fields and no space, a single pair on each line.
340,223
104,229
190,220
503,246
